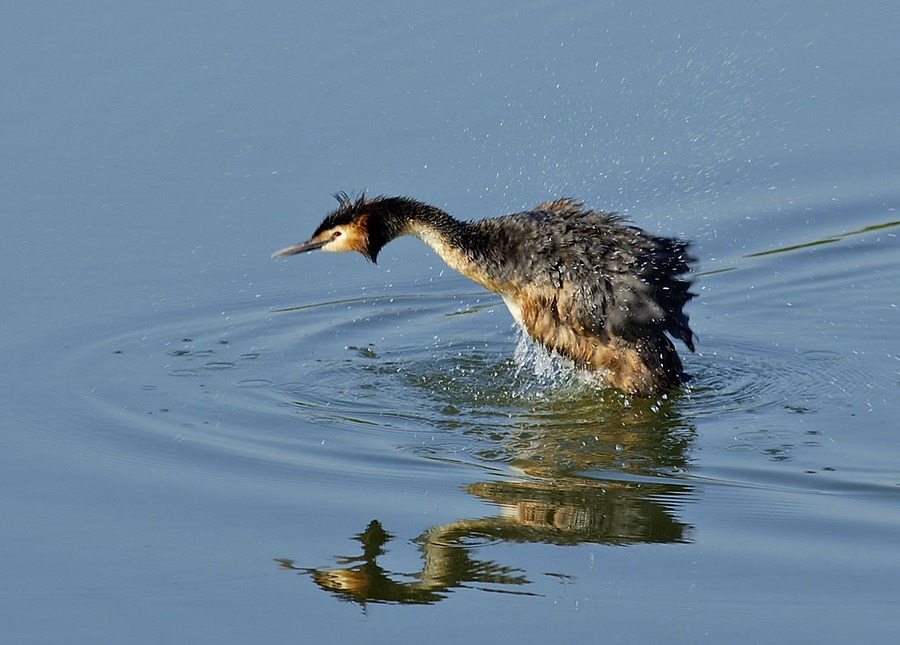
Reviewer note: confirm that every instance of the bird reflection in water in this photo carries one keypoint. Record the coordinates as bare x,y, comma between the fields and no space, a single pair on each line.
565,510
447,566
583,469
562,513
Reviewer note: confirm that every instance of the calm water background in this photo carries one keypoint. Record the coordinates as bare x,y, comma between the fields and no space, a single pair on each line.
200,444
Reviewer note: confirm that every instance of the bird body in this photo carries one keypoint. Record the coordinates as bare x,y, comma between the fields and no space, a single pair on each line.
581,282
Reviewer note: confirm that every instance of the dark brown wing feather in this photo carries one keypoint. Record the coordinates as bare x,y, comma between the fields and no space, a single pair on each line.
594,288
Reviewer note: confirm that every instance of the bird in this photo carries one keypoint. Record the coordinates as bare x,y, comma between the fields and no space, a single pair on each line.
585,284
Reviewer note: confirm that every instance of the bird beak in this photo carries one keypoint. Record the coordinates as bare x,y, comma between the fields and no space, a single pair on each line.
302,247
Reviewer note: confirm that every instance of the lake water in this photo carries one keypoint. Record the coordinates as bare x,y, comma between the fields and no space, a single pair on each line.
201,444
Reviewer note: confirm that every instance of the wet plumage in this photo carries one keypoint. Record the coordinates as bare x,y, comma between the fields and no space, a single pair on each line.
581,282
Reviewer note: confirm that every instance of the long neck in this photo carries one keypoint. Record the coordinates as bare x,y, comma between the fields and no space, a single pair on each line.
403,216
462,245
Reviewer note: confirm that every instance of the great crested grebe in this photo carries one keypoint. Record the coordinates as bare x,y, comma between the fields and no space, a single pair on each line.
580,282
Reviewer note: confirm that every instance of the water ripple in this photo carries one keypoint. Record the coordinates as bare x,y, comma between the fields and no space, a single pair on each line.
349,382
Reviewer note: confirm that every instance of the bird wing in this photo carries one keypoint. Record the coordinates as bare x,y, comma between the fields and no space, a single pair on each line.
600,275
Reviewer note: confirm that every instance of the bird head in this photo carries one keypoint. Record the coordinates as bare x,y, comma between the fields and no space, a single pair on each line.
346,228
363,225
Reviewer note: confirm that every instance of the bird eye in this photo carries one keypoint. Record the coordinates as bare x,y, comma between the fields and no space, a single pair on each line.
336,234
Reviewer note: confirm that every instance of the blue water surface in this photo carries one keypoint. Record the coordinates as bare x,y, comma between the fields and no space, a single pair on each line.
201,444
